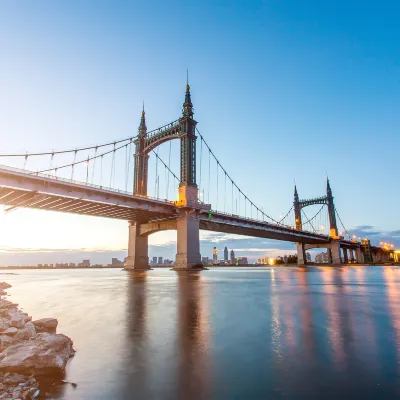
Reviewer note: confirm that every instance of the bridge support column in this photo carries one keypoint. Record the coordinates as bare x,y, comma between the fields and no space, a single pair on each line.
335,251
386,257
359,256
188,241
351,255
345,256
301,255
138,249
329,251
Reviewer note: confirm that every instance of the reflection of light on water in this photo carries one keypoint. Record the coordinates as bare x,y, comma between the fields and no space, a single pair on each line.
276,320
194,337
392,300
333,313
288,315
369,333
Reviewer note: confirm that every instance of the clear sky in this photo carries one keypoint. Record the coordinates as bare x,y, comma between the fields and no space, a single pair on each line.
282,90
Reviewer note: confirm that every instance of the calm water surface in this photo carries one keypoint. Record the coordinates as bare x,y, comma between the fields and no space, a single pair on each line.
252,333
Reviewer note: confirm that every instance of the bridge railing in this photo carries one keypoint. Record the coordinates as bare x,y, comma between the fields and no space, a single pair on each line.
163,128
79,183
258,221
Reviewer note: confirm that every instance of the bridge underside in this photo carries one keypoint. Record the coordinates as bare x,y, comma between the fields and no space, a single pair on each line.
30,191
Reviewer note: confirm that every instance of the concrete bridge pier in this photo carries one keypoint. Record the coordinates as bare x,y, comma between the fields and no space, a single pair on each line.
138,249
188,241
329,255
335,251
301,255
359,256
345,256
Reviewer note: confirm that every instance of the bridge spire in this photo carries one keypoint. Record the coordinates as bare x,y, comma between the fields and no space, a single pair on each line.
141,159
187,110
142,126
328,188
331,211
297,210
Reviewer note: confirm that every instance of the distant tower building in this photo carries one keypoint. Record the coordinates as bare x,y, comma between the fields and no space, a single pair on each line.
226,255
154,260
308,255
215,255
160,260
233,261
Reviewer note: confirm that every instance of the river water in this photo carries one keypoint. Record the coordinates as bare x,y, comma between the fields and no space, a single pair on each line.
227,333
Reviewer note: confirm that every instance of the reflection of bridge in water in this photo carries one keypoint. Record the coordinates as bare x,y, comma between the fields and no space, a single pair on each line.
45,190
189,336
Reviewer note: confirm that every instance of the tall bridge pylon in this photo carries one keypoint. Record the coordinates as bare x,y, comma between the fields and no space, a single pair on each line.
325,200
334,245
188,206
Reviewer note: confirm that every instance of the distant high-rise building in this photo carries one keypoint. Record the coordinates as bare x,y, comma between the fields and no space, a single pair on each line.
226,255
308,256
285,258
154,260
215,255
233,261
116,263
242,260
204,260
160,260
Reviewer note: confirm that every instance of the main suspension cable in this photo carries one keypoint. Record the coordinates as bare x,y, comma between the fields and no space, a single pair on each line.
342,223
233,182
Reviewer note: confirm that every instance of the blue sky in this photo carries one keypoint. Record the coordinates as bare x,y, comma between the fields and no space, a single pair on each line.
281,91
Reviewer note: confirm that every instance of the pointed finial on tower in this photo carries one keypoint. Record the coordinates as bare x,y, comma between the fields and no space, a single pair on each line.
328,187
187,105
142,126
296,195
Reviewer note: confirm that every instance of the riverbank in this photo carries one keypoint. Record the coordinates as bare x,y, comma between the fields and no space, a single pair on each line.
31,352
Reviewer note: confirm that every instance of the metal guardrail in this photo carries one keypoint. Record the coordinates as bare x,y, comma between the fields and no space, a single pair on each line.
80,183
164,128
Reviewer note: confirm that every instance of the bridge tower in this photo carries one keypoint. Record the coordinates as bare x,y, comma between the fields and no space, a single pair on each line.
297,210
188,223
331,211
141,159
334,244
187,206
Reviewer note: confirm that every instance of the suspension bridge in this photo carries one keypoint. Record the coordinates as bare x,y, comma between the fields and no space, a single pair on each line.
84,181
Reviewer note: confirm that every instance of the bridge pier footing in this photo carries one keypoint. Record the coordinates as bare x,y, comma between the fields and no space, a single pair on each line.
138,249
345,256
359,256
301,255
188,256
335,252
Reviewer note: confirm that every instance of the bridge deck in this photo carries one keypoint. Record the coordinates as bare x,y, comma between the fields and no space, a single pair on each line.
23,189
227,223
